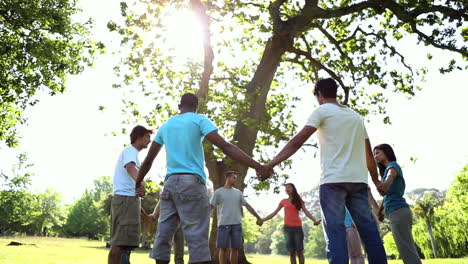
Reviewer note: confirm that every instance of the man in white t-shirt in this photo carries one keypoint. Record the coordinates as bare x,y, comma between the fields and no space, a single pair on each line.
125,205
345,158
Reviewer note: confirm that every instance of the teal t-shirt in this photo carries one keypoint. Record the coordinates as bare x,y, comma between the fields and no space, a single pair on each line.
182,135
348,220
394,200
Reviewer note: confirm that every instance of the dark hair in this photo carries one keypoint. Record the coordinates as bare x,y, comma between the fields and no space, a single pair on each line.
327,87
388,151
138,132
229,173
296,199
189,100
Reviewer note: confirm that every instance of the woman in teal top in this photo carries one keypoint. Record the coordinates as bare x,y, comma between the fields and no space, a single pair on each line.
396,208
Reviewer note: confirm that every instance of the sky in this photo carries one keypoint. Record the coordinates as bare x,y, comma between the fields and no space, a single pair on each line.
68,140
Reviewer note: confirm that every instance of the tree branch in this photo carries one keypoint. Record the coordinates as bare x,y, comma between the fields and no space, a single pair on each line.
463,51
200,11
450,12
274,10
391,48
319,65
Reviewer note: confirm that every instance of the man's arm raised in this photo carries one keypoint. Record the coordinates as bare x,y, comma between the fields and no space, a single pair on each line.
371,166
235,153
293,145
148,162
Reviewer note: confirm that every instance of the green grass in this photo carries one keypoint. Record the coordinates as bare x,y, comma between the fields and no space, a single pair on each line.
74,251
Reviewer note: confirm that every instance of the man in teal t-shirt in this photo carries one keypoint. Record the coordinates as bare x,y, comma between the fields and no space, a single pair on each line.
184,199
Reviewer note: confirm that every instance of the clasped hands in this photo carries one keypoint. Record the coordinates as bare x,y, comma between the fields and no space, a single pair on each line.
264,171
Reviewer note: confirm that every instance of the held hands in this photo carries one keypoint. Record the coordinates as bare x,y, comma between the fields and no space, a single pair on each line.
264,172
317,222
259,221
381,216
140,189
380,187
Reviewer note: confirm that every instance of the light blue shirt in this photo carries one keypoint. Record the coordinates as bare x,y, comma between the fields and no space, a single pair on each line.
182,135
348,220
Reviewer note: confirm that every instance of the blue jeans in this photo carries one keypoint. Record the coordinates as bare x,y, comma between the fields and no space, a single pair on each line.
184,201
333,198
229,236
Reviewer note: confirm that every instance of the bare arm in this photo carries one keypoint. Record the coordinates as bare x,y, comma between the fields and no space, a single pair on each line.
371,166
293,145
132,170
232,151
308,214
374,205
270,216
156,210
391,176
148,162
381,213
252,211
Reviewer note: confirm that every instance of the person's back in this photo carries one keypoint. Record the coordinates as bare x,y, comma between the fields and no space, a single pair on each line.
182,135
341,134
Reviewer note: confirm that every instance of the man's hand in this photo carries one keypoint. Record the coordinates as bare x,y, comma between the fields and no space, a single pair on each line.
381,216
264,172
317,222
379,185
384,188
259,221
140,189
152,217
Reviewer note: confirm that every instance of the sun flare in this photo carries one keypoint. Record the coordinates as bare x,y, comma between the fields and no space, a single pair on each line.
184,35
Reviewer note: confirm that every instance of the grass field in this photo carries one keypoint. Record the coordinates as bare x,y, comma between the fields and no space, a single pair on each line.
75,251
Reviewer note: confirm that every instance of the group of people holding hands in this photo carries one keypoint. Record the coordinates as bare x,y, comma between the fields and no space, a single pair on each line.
346,158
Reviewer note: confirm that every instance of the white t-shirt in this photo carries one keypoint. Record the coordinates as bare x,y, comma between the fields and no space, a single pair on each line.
123,183
341,134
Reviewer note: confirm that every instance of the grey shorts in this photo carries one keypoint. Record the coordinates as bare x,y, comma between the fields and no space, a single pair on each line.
184,201
125,228
229,236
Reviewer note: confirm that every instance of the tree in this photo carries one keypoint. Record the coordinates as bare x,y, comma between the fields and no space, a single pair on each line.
452,218
86,218
424,209
315,246
15,201
261,46
40,46
263,242
48,213
390,246
278,241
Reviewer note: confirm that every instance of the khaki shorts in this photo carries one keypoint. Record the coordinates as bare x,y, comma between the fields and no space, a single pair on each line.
125,229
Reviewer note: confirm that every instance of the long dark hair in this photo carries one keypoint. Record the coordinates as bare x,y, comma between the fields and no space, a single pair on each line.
296,198
389,153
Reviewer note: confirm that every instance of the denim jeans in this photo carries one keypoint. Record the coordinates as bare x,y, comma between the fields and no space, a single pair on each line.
229,236
184,201
333,198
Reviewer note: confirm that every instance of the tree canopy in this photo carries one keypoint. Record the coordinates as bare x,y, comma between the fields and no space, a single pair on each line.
254,50
40,46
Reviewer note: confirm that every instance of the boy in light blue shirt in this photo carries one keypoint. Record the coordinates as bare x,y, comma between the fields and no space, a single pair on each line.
184,198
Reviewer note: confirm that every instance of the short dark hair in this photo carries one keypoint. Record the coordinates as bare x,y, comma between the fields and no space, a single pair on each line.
138,132
230,173
327,87
189,100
